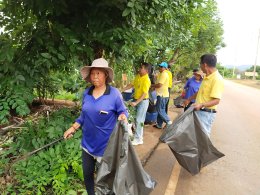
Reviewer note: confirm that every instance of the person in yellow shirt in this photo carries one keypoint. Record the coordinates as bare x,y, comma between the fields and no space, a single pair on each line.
209,94
168,70
141,86
161,86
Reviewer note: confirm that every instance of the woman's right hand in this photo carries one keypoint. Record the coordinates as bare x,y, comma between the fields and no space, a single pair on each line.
69,133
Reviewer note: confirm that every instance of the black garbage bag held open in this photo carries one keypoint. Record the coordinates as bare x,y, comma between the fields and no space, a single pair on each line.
190,145
121,172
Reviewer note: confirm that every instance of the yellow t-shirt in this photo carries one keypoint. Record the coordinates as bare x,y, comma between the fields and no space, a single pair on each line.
170,78
163,78
212,87
141,85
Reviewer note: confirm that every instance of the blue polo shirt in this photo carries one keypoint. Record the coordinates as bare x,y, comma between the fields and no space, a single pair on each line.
191,87
98,118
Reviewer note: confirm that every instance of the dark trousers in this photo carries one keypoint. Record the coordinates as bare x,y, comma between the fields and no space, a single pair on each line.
88,163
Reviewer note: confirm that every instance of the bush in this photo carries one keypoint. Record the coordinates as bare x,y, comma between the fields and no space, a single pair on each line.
55,170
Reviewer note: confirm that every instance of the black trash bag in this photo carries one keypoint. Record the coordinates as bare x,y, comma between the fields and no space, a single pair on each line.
190,145
152,102
178,102
120,171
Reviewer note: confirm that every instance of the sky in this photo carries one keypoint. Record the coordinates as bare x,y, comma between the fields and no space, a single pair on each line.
241,19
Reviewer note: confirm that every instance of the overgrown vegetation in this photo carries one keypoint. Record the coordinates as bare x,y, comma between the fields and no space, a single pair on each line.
56,170
44,43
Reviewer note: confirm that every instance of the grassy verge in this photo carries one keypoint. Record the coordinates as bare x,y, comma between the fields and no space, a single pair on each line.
251,83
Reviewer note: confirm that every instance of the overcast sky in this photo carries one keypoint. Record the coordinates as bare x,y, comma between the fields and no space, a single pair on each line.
241,20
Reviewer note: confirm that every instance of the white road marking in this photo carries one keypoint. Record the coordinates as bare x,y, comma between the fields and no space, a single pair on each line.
171,187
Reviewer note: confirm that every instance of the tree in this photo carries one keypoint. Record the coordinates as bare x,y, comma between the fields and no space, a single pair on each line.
257,70
42,38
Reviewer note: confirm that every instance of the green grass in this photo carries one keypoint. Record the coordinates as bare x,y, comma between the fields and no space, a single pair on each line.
65,96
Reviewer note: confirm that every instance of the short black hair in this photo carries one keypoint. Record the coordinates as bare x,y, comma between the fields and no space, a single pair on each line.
147,66
195,70
209,59
150,69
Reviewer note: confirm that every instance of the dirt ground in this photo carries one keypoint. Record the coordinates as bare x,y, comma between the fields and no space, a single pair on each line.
251,83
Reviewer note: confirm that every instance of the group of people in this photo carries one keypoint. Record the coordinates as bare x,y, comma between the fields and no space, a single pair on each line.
103,105
142,85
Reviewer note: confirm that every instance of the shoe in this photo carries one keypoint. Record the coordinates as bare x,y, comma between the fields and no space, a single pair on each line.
155,126
168,124
136,142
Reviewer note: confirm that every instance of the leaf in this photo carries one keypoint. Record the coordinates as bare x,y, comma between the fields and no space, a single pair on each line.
61,57
14,105
139,7
130,4
74,41
54,60
46,55
20,77
52,153
152,11
126,12
39,40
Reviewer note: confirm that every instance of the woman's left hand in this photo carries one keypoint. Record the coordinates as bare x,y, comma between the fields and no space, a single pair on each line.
122,117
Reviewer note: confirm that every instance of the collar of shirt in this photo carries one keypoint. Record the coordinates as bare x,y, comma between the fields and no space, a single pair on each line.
211,75
107,92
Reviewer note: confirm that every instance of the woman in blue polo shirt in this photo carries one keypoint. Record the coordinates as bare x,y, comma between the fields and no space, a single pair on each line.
102,106
192,86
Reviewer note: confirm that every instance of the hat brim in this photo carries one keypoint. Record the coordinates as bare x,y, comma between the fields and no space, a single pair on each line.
199,73
84,71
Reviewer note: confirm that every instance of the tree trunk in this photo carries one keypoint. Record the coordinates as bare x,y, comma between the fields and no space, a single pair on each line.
174,57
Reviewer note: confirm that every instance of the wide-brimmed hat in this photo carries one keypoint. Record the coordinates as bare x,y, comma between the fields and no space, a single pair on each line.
199,72
97,63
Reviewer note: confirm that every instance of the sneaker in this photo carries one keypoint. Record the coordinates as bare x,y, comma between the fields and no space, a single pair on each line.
168,124
136,142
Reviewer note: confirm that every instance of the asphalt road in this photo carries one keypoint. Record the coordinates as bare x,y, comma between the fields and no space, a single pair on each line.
236,133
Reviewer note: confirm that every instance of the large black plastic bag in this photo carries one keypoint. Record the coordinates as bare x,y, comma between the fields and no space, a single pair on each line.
189,144
121,172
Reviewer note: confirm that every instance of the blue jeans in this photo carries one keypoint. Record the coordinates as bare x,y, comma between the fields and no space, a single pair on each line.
141,110
206,119
160,107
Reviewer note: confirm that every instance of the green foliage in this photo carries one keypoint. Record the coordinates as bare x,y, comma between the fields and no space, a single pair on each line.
44,38
131,113
48,86
225,72
54,170
251,69
17,100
